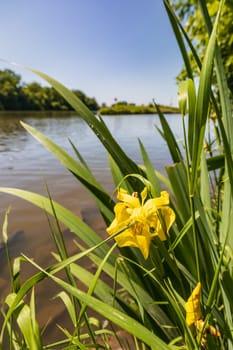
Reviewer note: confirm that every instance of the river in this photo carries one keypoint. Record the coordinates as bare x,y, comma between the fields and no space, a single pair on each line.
27,165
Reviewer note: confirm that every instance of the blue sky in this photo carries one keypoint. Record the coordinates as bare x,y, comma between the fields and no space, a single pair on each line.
122,49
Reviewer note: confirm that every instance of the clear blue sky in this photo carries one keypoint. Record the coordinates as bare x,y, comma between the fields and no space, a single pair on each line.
122,49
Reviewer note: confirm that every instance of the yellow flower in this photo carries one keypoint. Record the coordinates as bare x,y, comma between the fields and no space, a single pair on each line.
192,306
148,218
194,316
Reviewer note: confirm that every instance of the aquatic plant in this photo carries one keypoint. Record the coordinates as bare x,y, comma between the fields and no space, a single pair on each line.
168,290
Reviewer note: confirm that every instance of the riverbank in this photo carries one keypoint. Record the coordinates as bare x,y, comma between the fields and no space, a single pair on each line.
123,108
118,109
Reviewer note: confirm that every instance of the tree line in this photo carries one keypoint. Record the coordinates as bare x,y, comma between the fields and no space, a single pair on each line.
16,95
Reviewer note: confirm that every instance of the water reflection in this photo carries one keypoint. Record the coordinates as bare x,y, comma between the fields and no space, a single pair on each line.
128,129
9,126
21,153
12,139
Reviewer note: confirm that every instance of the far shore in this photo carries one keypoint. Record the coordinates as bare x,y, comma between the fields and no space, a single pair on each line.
118,110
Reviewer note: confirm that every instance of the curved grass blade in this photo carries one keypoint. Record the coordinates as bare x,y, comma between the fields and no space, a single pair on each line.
122,320
94,281
126,164
25,317
118,176
104,202
169,137
70,220
226,104
34,280
176,29
202,103
187,103
150,171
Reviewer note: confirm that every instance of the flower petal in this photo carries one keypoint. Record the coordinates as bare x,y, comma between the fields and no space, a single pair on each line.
144,195
168,216
124,196
155,203
192,306
121,212
144,244
126,239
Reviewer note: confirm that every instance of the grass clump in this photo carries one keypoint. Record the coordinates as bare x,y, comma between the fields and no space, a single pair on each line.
170,258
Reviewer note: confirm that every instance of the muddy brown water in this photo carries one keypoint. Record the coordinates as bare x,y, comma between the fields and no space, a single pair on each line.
29,234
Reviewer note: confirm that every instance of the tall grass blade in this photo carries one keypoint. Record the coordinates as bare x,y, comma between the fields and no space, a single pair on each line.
202,103
126,164
169,137
117,176
187,103
226,103
226,127
27,323
104,202
71,221
122,320
176,29
150,172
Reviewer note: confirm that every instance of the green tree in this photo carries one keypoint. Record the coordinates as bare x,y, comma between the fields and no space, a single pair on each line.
191,16
120,103
35,97
15,95
10,90
54,101
90,102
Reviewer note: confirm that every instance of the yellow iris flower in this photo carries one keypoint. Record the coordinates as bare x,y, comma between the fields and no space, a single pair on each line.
149,218
194,316
193,306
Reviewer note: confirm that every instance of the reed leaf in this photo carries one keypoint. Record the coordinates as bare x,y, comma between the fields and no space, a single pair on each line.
150,172
122,320
126,164
104,202
169,137
176,25
70,220
202,103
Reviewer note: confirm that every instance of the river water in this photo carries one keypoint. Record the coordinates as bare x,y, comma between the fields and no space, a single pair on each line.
23,160
25,164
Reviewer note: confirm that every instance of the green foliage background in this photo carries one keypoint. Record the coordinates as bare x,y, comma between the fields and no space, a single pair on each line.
17,96
190,13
